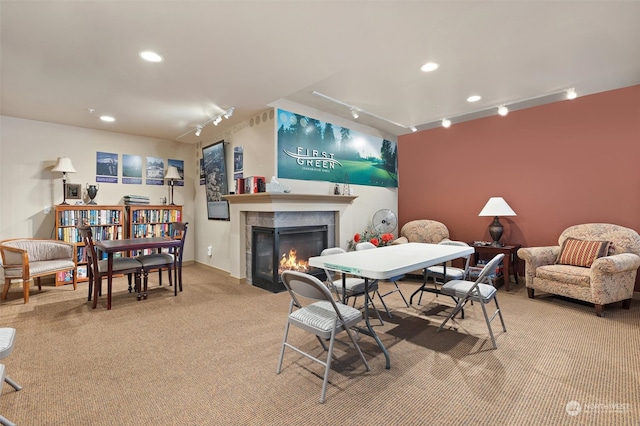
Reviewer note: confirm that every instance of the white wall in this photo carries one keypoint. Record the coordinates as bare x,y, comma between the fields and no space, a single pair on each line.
29,150
259,143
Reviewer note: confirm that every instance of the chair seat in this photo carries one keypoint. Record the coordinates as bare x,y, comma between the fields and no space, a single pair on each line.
354,286
7,338
452,272
119,264
460,288
321,317
575,275
155,260
41,267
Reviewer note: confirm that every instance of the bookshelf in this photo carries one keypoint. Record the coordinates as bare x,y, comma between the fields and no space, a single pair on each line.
151,221
107,223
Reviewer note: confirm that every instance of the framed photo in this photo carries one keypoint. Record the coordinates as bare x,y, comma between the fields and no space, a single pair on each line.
216,181
72,191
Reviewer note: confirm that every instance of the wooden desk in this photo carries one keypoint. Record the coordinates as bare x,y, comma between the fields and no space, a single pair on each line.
387,262
510,260
126,245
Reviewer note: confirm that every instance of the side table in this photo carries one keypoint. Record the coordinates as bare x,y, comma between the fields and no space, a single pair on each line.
510,259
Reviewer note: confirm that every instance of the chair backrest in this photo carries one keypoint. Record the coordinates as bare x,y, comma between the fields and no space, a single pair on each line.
625,240
459,244
301,285
484,275
332,250
365,246
179,231
86,233
424,231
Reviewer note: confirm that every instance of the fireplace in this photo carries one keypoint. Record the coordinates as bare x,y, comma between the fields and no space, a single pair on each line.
285,248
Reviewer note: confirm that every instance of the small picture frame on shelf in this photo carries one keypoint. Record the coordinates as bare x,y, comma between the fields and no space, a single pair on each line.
72,191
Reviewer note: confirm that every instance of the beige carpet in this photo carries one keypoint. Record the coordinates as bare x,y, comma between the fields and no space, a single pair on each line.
208,357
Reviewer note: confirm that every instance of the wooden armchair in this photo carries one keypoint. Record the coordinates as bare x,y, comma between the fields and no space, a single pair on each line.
28,258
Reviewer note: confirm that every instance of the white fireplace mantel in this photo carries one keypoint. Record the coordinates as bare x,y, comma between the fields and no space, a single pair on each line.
240,204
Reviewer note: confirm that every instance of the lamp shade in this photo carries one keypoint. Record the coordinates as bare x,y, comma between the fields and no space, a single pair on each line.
172,173
64,165
497,206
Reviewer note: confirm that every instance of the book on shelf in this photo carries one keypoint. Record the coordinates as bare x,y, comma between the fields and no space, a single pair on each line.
65,276
82,271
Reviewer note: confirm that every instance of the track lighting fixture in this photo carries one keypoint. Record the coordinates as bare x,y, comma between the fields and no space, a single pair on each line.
356,112
413,128
571,93
446,123
503,110
215,120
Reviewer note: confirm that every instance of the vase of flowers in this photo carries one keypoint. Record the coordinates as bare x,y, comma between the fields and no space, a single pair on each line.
369,234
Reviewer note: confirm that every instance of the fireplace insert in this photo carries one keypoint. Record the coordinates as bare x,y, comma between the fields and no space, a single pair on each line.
275,250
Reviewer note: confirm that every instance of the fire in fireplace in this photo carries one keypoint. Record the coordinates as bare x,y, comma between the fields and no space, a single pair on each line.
275,250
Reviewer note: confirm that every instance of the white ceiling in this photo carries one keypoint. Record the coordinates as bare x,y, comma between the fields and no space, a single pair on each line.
61,58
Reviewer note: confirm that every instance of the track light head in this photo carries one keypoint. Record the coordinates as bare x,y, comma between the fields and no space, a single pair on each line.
198,130
446,123
571,93
217,120
503,110
354,113
229,113
413,128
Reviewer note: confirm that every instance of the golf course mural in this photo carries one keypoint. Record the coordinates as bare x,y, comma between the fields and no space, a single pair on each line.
310,149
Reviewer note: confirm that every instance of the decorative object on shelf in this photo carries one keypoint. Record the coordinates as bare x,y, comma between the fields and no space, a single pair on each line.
92,191
72,191
496,206
346,189
172,175
64,166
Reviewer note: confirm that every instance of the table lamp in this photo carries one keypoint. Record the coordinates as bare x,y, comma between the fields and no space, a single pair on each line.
172,175
496,206
64,166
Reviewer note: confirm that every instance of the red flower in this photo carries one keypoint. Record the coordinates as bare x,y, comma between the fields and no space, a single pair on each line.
386,238
356,238
375,241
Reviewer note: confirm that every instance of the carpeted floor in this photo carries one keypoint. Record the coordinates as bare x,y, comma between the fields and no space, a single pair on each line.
209,355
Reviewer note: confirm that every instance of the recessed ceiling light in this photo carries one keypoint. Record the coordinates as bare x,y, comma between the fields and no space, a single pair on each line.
429,66
150,56
107,118
474,98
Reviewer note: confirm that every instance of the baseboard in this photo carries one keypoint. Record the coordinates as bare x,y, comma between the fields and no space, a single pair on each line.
222,272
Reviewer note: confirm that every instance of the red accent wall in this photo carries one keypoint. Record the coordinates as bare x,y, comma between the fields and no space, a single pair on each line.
556,165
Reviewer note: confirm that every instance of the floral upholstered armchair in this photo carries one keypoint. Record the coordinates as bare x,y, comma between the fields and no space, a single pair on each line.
422,231
594,262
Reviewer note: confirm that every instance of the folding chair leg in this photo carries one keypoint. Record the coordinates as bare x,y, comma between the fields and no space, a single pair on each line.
5,422
453,313
383,304
13,384
486,318
327,367
284,340
504,327
401,295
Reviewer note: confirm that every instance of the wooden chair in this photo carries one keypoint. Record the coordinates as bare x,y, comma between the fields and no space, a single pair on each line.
97,268
160,261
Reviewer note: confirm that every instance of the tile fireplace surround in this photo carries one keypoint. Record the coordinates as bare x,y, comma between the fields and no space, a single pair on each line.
277,210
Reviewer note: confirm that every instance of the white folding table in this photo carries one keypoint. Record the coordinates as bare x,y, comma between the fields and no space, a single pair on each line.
388,262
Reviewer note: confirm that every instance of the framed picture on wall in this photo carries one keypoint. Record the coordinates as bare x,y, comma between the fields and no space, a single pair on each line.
72,191
216,185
